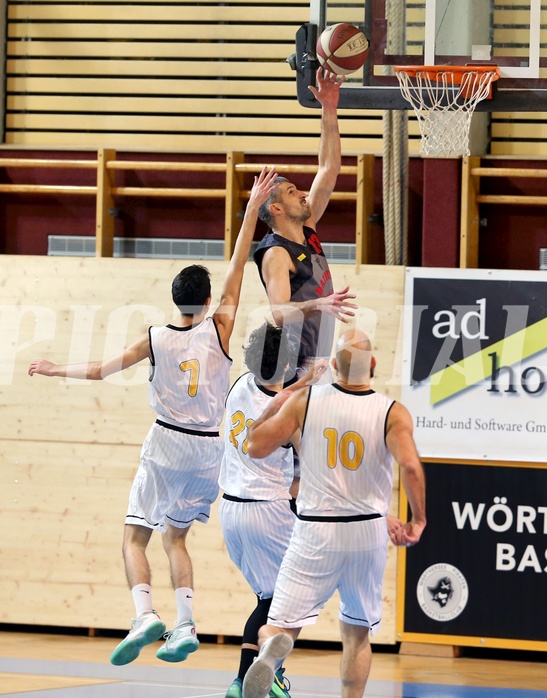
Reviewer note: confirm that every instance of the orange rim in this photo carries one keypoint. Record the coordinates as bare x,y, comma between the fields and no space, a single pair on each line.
458,71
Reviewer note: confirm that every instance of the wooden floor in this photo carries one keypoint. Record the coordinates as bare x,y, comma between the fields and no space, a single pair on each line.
23,656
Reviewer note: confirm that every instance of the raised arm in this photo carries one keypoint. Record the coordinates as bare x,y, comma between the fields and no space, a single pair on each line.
330,156
282,418
229,299
400,441
94,370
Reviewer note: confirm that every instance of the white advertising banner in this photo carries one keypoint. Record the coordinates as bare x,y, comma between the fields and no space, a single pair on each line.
475,363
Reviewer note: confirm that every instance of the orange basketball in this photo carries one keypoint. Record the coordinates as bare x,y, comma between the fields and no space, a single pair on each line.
342,48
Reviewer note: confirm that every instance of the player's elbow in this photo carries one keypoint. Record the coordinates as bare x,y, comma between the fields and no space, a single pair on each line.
95,373
334,170
255,450
277,316
256,447
412,468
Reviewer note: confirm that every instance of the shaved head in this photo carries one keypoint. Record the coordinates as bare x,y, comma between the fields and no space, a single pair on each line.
354,359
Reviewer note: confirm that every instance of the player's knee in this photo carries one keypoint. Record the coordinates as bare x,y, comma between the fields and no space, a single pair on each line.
135,539
354,636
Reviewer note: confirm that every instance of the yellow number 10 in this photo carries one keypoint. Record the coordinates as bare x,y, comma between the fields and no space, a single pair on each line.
350,449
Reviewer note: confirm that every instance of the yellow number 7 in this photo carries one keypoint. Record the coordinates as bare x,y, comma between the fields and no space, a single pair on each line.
193,366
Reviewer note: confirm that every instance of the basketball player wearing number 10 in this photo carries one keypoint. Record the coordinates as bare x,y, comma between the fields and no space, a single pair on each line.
350,436
177,479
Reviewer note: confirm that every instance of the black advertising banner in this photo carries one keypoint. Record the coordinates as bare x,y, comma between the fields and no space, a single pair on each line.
475,363
480,568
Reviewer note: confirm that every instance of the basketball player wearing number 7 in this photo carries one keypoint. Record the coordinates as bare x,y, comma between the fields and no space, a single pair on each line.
350,437
177,480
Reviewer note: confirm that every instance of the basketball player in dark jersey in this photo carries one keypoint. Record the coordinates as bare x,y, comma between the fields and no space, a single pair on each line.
290,260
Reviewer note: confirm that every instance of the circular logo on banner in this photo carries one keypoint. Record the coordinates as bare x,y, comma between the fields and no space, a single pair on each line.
442,592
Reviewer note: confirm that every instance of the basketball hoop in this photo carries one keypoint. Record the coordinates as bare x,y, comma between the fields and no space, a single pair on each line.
444,100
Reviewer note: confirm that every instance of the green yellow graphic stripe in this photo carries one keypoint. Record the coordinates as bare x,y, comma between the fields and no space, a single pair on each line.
476,367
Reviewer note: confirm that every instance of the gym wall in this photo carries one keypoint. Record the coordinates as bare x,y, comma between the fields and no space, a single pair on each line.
196,77
69,449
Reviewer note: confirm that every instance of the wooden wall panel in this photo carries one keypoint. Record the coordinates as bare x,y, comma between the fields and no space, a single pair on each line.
69,449
305,144
154,52
164,56
234,125
518,133
3,12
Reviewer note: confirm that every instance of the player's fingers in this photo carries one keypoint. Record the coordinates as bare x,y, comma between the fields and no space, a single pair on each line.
265,174
325,77
344,309
344,299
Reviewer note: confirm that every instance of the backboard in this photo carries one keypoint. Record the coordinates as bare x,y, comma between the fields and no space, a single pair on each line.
507,33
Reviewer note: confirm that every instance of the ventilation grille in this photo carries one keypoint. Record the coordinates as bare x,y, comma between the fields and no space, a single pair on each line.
168,248
543,258
156,248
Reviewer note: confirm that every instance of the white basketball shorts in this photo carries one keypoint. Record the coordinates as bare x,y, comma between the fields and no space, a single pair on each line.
323,557
257,535
177,479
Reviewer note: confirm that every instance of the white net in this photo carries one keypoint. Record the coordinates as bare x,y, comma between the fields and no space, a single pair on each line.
443,107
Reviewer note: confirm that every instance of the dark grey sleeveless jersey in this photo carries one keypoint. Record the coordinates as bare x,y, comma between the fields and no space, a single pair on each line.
311,280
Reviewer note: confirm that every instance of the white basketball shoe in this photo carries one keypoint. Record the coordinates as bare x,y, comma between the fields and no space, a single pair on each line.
260,676
179,643
145,629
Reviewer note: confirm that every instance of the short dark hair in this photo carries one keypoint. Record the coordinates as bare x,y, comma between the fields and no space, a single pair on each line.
264,211
191,288
267,353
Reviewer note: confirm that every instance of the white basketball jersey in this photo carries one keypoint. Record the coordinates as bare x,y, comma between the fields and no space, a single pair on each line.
240,475
346,467
189,375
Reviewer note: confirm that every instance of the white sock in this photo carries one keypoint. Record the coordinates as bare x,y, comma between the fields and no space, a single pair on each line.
185,598
142,596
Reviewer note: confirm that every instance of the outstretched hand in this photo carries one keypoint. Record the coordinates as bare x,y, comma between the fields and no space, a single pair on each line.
316,372
263,186
338,304
314,375
41,367
327,91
